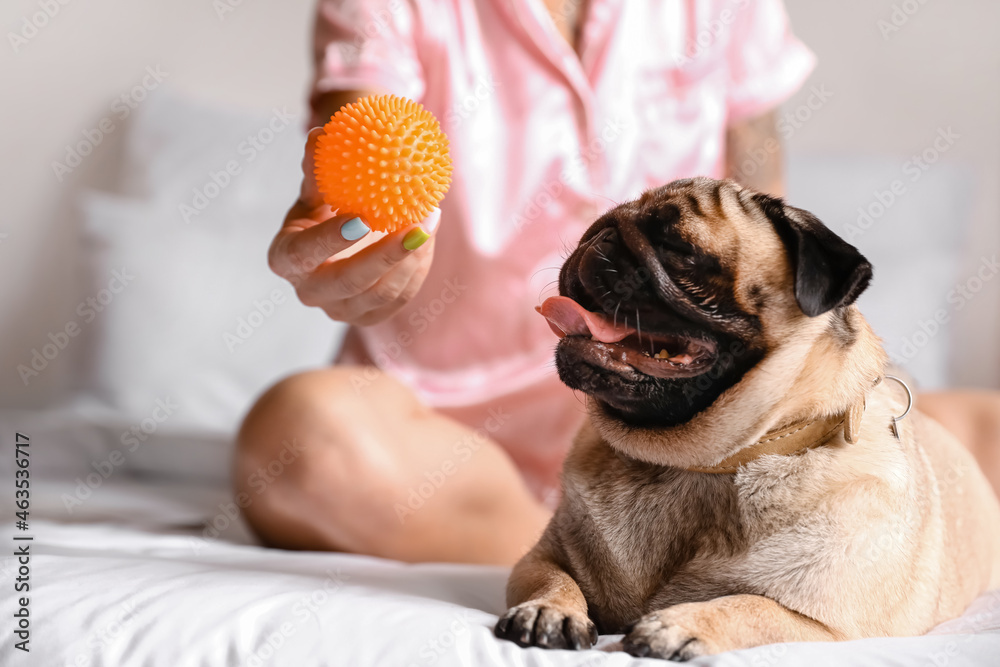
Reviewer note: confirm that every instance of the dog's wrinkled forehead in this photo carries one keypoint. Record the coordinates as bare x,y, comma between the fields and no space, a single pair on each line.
718,217
713,219
756,241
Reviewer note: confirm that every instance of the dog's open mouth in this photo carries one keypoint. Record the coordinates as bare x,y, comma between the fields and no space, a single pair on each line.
618,347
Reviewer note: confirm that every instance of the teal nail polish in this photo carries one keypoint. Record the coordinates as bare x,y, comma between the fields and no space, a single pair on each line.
354,229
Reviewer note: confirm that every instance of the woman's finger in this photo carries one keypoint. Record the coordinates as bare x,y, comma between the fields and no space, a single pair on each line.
384,299
309,194
390,309
299,250
348,277
352,276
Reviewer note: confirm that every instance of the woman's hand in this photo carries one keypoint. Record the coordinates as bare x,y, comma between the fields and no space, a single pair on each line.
367,286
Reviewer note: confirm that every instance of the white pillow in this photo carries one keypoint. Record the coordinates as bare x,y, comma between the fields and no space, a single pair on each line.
196,326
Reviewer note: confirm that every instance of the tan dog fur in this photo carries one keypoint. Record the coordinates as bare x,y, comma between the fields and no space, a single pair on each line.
844,541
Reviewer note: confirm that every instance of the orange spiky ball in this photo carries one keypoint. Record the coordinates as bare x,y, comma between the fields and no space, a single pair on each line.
384,158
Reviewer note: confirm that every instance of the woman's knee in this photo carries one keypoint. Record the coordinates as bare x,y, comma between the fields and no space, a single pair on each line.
308,455
323,399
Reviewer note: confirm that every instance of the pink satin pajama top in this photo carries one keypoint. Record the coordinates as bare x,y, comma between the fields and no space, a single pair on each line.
543,140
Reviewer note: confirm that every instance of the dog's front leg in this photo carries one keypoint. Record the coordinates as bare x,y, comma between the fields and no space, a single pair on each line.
689,630
547,608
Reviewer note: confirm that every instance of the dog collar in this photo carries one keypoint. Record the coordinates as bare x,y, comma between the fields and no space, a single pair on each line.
793,439
802,436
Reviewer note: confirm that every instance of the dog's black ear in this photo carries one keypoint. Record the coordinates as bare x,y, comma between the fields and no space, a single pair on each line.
829,271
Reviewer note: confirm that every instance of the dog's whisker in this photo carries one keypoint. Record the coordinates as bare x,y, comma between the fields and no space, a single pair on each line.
613,201
546,268
545,287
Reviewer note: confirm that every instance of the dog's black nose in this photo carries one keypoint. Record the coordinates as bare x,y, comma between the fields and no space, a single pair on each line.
605,240
605,256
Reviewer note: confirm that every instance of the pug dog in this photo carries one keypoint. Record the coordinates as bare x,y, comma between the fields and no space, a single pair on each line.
745,476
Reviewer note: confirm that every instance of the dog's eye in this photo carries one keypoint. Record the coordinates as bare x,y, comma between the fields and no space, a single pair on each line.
680,249
657,224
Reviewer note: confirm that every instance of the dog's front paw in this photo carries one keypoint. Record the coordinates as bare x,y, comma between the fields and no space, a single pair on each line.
538,623
681,632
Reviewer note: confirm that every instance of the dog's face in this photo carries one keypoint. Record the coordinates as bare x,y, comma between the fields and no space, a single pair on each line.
668,300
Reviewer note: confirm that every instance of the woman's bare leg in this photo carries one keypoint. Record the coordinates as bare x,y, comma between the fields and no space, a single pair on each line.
347,459
974,418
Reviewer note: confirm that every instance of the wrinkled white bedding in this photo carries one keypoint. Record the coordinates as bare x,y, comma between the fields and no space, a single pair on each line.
131,581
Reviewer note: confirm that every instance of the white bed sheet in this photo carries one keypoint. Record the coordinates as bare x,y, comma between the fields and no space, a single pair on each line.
131,581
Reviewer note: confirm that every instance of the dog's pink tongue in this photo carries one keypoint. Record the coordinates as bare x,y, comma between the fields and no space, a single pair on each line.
568,318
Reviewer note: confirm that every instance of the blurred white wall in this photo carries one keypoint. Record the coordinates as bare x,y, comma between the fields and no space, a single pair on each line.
63,82
892,89
941,68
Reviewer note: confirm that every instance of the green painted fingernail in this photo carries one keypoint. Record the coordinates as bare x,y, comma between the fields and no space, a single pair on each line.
415,238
